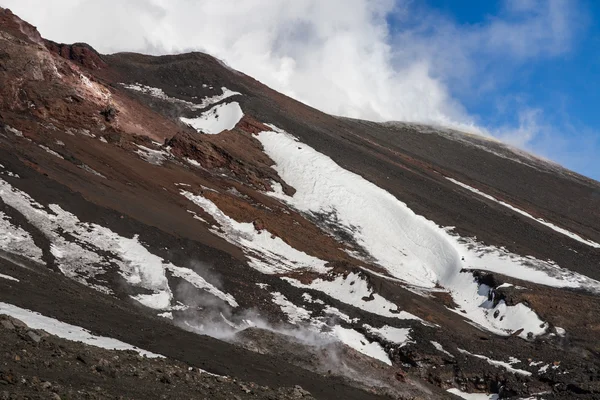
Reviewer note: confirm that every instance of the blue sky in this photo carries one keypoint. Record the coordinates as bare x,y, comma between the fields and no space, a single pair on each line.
524,71
563,87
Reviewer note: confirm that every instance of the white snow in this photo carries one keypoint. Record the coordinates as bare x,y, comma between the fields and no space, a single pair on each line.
399,336
92,171
200,283
77,260
16,132
9,278
158,93
220,118
16,240
155,157
294,313
338,314
193,162
440,348
357,341
351,290
49,150
505,285
66,331
496,363
309,299
267,254
526,214
409,247
560,331
473,396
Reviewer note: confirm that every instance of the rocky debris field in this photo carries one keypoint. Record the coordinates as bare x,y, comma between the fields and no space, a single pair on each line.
35,365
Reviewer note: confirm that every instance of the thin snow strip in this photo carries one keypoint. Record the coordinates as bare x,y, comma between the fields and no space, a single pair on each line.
222,117
16,240
89,169
9,278
352,290
357,341
496,363
49,150
66,331
439,347
473,396
399,336
199,282
267,254
526,214
158,93
79,259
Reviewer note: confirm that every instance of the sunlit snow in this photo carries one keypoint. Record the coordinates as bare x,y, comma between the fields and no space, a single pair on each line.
473,396
16,240
220,118
268,254
66,331
8,278
353,290
410,247
78,260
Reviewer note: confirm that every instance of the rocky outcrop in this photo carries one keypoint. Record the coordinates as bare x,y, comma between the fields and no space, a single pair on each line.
80,53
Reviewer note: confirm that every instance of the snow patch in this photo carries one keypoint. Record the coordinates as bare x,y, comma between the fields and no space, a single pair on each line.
222,117
440,348
16,240
473,396
294,313
92,171
69,332
155,157
9,278
357,341
50,151
353,290
399,336
267,254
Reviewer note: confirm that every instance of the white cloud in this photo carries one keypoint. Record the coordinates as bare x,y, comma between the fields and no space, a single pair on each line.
337,55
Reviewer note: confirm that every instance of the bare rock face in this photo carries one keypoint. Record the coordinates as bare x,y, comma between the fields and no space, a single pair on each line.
16,26
80,53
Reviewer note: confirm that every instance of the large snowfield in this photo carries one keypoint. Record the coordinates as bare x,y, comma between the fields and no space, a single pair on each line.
409,247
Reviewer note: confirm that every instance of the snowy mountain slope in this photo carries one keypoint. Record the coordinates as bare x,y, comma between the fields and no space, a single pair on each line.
287,227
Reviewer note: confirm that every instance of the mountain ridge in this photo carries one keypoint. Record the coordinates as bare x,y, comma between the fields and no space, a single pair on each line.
132,208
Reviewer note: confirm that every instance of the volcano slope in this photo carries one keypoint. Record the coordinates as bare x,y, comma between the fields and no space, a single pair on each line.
183,208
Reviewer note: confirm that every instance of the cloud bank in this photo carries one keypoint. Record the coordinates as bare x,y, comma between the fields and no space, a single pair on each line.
373,59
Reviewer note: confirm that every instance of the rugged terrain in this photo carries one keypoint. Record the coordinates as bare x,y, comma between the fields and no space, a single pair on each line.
185,209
